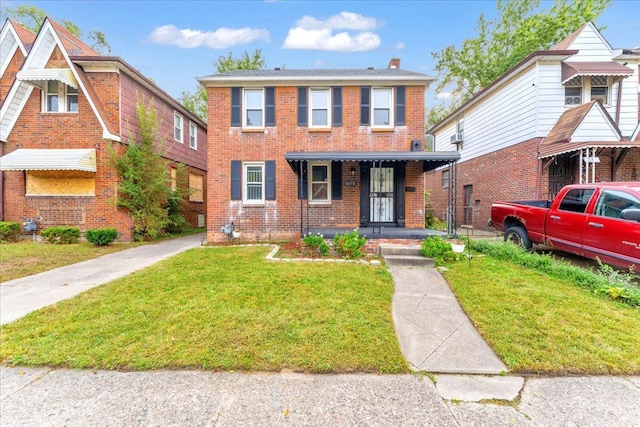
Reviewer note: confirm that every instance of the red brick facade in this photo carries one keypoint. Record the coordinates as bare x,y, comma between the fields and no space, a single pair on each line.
283,217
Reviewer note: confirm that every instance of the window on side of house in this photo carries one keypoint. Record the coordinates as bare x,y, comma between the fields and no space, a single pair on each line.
600,89
177,127
253,191
60,98
193,135
319,182
253,106
382,107
319,111
445,178
174,179
197,188
573,91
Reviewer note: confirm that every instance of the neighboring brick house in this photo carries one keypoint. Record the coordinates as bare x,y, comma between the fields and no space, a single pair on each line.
63,106
541,125
299,150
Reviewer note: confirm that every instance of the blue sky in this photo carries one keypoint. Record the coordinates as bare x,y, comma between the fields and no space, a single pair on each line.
173,42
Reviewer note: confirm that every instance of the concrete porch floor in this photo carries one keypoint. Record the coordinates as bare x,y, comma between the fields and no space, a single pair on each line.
395,233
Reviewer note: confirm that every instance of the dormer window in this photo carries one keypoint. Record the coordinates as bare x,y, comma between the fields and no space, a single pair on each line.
573,91
60,98
600,89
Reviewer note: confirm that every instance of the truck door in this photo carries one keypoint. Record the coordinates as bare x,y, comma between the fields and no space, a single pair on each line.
566,221
607,236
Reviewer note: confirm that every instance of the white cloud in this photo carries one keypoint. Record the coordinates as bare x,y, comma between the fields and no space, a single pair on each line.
400,45
221,38
444,95
319,63
311,33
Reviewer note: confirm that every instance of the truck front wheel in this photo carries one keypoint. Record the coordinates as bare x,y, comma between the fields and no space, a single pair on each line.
518,236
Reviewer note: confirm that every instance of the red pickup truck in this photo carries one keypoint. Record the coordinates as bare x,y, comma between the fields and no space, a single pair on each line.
600,220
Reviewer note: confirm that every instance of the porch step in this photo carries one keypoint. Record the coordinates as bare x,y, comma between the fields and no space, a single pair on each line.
404,256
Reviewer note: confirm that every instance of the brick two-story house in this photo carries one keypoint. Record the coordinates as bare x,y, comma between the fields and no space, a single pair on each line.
63,105
294,151
564,115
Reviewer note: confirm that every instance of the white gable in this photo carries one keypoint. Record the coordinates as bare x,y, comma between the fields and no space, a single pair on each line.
9,43
39,55
591,46
595,126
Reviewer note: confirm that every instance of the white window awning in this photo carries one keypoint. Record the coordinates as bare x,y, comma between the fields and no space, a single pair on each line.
39,77
49,159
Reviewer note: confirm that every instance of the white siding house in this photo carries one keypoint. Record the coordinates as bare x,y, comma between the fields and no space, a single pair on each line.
525,135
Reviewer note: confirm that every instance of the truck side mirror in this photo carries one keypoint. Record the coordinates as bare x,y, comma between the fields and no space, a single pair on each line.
631,214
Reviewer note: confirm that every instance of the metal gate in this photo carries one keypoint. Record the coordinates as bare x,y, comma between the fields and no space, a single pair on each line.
560,174
381,196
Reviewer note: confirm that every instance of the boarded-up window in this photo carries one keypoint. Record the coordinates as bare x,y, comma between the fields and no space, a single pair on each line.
174,179
196,187
61,183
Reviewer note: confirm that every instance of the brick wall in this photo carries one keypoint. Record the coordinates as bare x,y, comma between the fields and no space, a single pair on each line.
281,218
9,75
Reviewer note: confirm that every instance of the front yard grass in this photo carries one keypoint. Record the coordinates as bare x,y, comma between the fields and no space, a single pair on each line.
540,324
25,258
223,308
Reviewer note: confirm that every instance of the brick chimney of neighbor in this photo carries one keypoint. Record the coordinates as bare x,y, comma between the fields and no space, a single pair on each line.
394,63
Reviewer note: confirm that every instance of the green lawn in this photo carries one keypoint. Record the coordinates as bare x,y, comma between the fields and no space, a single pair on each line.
24,258
540,324
221,308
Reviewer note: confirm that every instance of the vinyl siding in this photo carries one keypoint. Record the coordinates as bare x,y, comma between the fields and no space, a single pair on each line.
591,47
595,127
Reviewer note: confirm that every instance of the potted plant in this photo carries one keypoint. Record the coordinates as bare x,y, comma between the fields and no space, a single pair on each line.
457,246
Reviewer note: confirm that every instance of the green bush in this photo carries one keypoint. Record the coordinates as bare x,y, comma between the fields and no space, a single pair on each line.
61,234
10,231
349,245
607,281
438,249
101,236
316,242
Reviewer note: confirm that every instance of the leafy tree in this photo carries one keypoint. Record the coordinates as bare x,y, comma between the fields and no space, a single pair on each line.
501,43
197,102
145,184
32,18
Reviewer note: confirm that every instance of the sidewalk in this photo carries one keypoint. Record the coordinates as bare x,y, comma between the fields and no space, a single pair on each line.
22,296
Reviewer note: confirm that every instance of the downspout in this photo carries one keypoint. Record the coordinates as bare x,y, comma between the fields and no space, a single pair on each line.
300,195
618,102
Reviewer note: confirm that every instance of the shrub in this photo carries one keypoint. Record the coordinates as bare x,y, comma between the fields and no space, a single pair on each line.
10,231
438,249
349,245
62,234
101,236
316,242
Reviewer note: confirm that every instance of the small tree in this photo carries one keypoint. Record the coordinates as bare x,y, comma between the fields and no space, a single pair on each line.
145,184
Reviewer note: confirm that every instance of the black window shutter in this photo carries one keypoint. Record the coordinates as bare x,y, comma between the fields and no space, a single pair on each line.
236,110
270,106
270,174
302,106
302,182
236,180
400,106
336,180
336,119
365,105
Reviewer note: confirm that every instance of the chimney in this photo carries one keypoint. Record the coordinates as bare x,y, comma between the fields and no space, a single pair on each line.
394,63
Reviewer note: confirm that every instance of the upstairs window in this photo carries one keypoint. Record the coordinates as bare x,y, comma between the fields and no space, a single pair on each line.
381,107
193,136
177,127
319,111
253,108
573,91
60,98
600,89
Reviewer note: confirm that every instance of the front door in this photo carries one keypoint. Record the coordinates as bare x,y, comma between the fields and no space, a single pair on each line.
381,195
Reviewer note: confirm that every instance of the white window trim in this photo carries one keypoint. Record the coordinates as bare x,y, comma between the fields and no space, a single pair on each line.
193,135
564,93
310,182
245,191
63,104
329,105
177,115
244,107
391,108
609,90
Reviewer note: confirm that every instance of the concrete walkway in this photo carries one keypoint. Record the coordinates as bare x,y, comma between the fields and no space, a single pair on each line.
22,296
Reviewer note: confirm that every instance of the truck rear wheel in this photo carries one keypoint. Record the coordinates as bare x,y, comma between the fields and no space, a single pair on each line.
518,236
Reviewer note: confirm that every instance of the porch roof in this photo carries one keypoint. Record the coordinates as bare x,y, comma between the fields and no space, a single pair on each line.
430,159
